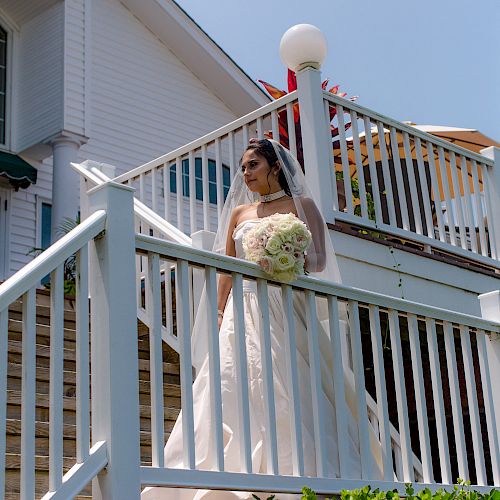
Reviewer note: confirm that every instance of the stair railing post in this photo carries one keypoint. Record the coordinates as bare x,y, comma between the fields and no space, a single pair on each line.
114,361
315,145
491,186
490,310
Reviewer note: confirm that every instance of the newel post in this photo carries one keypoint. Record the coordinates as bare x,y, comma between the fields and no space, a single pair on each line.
303,49
492,195
316,147
490,310
115,386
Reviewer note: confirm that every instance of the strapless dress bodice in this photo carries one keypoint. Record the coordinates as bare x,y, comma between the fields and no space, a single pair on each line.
239,232
249,286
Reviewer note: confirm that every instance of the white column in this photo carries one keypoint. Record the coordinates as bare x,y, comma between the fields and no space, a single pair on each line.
314,139
492,194
65,196
114,362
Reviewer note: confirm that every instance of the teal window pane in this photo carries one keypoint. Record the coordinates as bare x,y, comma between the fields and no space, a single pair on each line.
198,178
45,225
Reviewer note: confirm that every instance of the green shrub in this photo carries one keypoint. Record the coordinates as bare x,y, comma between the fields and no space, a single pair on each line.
461,491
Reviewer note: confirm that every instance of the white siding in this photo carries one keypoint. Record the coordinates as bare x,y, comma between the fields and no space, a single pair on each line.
74,66
144,101
39,109
23,215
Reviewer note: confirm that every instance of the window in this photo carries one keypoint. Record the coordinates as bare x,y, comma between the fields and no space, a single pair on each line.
198,176
3,82
45,224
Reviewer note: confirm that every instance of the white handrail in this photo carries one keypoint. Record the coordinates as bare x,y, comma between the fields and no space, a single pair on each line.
210,137
231,264
48,260
141,210
403,127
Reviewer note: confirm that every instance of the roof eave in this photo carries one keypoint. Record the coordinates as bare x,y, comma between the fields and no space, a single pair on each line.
187,40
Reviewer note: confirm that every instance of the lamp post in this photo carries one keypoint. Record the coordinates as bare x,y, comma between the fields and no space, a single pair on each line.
303,49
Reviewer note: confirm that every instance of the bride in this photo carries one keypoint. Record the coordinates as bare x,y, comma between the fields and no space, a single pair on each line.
270,181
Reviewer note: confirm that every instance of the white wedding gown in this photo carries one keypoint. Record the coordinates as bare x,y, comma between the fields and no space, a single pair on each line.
205,457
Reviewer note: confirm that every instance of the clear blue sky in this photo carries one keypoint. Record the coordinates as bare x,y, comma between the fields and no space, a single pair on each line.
429,61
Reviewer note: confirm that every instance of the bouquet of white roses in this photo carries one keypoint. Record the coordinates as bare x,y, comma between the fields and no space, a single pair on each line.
278,244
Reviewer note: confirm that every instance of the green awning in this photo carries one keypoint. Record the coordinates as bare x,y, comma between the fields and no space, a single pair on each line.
19,173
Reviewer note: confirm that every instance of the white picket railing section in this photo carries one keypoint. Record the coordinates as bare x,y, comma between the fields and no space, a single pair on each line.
385,175
391,177
424,369
204,168
89,460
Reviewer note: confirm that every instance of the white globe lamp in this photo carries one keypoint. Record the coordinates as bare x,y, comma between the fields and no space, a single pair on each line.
303,46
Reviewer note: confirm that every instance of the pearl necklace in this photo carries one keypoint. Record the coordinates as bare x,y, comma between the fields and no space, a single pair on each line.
266,198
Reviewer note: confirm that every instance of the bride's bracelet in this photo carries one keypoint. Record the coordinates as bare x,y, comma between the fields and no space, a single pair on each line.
220,313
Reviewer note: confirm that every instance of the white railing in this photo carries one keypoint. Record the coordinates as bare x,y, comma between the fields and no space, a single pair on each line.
22,286
365,169
204,168
145,221
394,178
420,369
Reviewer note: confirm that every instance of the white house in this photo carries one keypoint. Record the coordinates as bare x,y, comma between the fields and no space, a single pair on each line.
114,81
413,356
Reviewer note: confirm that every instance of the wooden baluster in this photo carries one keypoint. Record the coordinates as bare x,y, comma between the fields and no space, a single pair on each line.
184,336
424,188
153,306
458,201
399,179
389,195
192,191
242,375
479,209
401,400
360,389
316,383
436,193
437,393
359,165
82,356
267,375
470,382
290,120
214,367
373,171
345,161
291,362
456,403
415,203
468,213
28,396
449,207
420,400
382,409
56,387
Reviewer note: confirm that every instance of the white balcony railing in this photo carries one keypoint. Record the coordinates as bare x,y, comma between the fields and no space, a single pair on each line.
437,378
365,169
90,458
416,368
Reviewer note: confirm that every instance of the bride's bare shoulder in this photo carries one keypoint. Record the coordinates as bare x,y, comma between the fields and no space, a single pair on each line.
241,212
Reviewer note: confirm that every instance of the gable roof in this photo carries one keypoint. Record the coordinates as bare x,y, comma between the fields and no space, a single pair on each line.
204,58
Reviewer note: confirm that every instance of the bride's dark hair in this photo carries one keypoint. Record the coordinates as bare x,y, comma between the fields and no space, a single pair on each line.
264,148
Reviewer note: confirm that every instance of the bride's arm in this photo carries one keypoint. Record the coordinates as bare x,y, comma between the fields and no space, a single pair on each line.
316,256
225,282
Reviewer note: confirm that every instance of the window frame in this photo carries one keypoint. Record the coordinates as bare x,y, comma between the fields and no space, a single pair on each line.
40,201
11,31
198,180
